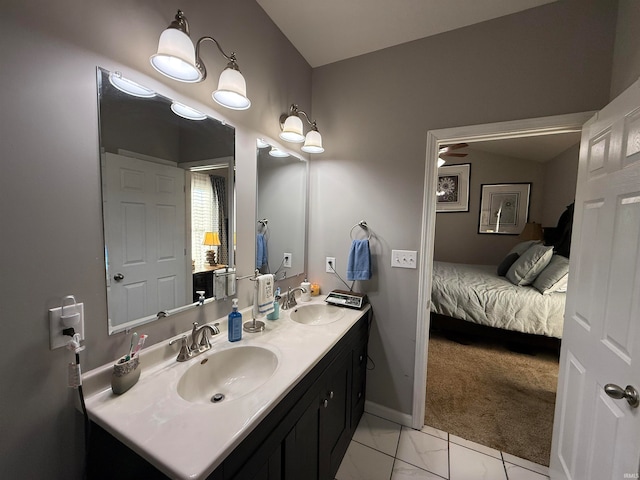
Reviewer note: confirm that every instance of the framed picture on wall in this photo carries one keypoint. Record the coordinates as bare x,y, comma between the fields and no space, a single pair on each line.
504,208
452,192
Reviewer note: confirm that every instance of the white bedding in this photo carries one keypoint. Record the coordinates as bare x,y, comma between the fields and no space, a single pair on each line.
475,293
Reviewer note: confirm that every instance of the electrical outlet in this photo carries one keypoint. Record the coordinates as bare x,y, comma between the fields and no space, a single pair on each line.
58,339
287,260
328,263
404,258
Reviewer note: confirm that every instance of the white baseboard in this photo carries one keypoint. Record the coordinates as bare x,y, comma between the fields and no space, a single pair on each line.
387,413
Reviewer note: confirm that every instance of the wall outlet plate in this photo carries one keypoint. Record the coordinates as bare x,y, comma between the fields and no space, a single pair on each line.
404,258
327,267
58,339
287,260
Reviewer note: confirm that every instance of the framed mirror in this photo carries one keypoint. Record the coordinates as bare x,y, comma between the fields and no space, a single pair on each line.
168,177
281,226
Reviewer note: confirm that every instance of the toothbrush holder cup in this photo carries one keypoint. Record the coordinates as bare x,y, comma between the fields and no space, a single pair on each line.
125,375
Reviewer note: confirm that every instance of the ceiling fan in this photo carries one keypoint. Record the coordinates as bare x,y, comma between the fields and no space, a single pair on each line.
448,151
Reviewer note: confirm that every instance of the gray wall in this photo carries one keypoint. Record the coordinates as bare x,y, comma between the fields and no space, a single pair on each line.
553,187
50,216
457,238
550,60
560,179
626,55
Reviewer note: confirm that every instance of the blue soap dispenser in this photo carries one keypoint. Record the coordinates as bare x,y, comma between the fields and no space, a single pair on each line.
235,322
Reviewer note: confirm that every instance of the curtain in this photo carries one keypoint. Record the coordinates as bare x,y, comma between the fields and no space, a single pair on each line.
220,216
204,217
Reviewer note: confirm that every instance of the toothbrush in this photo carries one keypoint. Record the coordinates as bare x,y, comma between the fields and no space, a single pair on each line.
140,344
134,339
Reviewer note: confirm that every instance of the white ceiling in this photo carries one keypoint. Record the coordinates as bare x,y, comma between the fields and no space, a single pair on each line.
538,148
326,31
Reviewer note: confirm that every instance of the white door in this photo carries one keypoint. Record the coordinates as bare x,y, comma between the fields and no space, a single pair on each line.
597,437
144,209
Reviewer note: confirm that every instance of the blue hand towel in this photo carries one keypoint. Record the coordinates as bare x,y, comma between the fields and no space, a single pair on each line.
359,264
261,250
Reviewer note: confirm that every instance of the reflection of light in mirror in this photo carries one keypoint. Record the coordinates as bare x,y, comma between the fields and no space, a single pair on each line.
187,112
275,152
130,87
441,162
261,143
202,168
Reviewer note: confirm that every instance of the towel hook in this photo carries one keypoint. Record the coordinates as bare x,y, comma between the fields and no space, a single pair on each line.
362,224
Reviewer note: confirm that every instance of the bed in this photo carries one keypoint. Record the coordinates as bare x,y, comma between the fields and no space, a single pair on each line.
477,294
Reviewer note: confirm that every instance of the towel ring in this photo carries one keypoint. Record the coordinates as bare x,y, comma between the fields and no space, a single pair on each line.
362,224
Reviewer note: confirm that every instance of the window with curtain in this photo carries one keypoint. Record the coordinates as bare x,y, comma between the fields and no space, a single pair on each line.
204,217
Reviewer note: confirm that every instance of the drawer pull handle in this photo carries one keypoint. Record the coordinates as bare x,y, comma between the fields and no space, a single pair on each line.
331,394
325,404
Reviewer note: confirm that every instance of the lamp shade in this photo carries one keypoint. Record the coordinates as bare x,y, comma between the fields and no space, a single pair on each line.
532,231
232,90
276,152
211,239
176,57
292,130
313,142
187,112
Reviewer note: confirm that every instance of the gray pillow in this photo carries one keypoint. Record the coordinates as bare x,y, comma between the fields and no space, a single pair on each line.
527,267
504,266
554,276
522,247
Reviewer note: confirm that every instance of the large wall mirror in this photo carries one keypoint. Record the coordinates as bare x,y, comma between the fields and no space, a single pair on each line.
281,226
168,203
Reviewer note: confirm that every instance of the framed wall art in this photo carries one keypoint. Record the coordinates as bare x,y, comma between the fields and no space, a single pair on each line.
504,208
453,188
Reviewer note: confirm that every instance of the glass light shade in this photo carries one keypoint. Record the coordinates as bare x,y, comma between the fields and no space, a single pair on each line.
313,142
440,162
232,90
292,130
176,57
130,87
187,112
275,152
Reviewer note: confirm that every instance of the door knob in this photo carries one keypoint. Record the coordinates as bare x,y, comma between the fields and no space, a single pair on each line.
118,277
630,394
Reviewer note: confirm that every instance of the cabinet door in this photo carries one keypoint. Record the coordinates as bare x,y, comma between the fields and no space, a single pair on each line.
359,384
301,446
335,416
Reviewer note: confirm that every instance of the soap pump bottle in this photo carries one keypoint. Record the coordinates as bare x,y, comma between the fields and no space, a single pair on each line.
235,322
305,296
276,306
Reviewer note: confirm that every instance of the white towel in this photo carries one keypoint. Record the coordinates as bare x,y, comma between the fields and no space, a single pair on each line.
264,294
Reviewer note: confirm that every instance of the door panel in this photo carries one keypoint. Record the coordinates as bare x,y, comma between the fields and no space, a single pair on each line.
597,437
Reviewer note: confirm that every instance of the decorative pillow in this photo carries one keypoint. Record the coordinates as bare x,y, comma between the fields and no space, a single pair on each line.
527,267
522,247
504,266
554,277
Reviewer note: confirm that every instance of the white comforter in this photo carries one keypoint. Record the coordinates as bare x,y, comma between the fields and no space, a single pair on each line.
477,294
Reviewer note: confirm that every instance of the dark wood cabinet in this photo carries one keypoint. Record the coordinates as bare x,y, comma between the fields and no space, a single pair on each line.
304,437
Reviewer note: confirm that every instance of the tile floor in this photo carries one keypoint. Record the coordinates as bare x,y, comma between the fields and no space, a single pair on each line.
384,450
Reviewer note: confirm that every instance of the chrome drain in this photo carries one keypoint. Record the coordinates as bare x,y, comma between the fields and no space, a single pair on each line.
218,397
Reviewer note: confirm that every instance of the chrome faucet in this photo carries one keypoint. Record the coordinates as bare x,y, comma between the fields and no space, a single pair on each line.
196,348
290,302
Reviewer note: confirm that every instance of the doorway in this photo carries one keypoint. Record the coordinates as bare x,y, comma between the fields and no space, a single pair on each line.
468,134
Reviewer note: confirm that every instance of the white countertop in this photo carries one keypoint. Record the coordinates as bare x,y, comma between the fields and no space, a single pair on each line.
189,440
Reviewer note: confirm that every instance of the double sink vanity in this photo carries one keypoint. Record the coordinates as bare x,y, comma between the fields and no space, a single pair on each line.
282,403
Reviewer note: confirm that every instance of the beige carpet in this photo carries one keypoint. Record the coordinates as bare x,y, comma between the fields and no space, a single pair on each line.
487,394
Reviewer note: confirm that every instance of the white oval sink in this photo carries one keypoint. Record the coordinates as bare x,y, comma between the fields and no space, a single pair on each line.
316,314
227,374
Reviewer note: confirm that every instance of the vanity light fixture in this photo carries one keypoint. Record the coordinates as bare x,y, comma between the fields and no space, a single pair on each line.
261,143
276,152
129,86
187,112
292,130
178,59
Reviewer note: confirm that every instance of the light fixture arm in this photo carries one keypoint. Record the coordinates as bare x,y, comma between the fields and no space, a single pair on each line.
295,110
233,64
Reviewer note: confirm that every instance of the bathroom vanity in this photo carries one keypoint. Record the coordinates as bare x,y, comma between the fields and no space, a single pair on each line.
297,424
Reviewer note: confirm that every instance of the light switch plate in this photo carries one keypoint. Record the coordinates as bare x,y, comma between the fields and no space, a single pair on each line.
56,338
404,258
